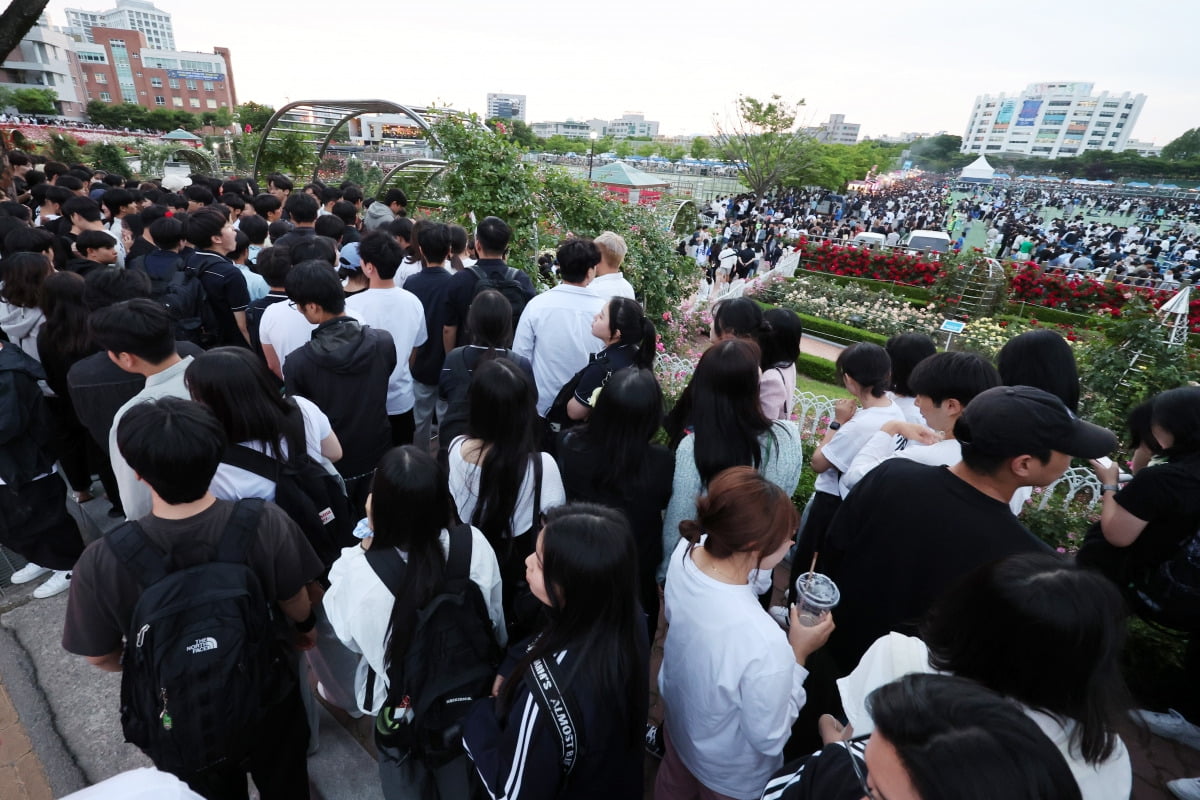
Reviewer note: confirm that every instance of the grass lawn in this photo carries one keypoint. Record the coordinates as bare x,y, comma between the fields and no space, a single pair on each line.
806,384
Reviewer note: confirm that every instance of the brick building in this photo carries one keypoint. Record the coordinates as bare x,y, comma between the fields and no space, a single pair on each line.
117,66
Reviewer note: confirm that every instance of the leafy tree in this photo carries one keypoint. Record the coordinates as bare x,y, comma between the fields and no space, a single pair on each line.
65,149
208,119
110,158
35,101
374,181
161,119
186,120
154,158
624,149
5,98
762,141
523,134
224,118
355,172
253,114
701,148
1186,146
17,20
647,150
940,153
288,153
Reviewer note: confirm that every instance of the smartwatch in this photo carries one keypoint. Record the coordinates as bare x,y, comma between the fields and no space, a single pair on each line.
833,426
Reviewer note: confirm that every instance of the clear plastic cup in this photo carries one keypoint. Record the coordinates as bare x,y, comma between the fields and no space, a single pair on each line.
816,595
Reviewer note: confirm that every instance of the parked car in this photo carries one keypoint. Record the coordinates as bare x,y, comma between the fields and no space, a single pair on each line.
927,242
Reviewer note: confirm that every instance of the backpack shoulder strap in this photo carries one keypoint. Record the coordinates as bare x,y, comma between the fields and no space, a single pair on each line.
511,274
130,544
545,681
458,561
251,460
537,490
389,566
480,274
240,530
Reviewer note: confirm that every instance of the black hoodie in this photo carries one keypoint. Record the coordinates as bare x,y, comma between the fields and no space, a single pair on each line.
26,429
345,369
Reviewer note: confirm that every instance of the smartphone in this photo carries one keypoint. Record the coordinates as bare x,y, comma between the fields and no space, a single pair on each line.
1104,461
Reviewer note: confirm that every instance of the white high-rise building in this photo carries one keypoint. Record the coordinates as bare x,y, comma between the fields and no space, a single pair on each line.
129,15
1052,120
835,131
43,60
506,106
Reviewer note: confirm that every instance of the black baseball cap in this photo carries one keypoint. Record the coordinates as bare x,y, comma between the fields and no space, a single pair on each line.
1016,420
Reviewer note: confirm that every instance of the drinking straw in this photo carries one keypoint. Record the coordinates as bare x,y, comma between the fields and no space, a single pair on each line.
811,569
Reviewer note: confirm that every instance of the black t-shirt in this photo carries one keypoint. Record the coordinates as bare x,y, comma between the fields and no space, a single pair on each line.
904,535
1167,497
226,289
104,591
600,367
254,315
430,286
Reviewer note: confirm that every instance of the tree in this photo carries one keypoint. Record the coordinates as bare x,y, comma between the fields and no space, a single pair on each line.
185,119
65,149
208,119
1186,146
17,20
701,148
253,114
761,141
940,153
288,153
110,158
624,149
160,119
35,101
355,172
224,118
647,150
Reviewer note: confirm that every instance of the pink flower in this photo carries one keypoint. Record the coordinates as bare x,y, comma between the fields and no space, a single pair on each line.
666,316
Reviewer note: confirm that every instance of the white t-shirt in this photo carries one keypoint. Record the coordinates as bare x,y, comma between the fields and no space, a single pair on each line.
729,679
464,488
909,406
407,269
285,329
555,334
611,285
235,483
850,438
401,314
146,783
359,608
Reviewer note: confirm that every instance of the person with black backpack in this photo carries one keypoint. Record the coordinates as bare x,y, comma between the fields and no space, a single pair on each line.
195,602
570,703
420,600
489,272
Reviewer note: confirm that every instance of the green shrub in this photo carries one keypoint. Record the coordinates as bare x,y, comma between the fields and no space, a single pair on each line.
1054,316
914,293
819,369
839,332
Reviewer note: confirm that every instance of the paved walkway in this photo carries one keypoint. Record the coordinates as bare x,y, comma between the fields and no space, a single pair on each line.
22,776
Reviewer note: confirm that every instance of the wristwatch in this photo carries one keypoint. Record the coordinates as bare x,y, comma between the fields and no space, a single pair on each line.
1110,487
833,426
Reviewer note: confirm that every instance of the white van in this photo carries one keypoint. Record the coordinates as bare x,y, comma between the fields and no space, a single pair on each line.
870,241
927,242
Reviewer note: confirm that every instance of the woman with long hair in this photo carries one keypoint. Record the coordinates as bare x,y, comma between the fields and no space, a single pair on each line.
498,478
489,323
409,509
21,277
629,340
718,423
779,340
1039,630
593,653
613,461
247,399
732,681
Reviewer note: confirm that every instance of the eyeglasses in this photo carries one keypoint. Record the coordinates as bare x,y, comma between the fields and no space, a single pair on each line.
292,304
858,773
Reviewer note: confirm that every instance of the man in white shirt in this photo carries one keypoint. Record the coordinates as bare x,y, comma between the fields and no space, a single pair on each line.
386,306
609,281
555,331
139,336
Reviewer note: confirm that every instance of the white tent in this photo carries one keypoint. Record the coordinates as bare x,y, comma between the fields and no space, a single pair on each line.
978,171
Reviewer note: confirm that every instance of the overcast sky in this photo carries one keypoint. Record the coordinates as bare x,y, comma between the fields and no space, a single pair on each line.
890,66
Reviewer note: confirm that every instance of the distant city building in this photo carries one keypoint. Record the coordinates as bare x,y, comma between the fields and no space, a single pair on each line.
118,66
129,15
1052,120
506,106
570,129
44,60
835,131
904,137
1148,149
628,126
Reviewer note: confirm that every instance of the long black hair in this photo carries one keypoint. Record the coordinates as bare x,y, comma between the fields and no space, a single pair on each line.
627,320
65,331
589,564
721,406
1041,359
989,623
410,505
1177,411
628,413
502,412
247,399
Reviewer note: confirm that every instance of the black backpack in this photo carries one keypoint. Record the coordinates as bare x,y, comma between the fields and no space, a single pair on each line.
507,286
451,659
160,280
202,662
313,497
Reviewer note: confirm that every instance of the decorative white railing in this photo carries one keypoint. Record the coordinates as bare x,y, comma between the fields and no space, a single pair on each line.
1074,481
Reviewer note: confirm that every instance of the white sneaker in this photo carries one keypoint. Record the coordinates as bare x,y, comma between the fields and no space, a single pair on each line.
1185,788
59,582
1172,725
29,572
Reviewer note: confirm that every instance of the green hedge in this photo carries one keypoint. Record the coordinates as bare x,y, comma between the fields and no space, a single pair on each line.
1055,316
839,332
913,293
819,369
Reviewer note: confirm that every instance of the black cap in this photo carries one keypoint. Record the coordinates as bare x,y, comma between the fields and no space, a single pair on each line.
1017,420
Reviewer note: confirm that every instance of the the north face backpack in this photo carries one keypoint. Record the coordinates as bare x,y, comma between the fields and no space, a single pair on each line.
313,497
450,662
507,286
201,662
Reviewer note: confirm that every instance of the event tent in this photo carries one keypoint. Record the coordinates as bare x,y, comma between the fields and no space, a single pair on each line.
978,171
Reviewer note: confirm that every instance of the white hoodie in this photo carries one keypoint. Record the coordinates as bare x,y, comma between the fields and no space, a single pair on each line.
21,325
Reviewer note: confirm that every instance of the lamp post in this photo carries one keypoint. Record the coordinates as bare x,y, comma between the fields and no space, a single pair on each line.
592,152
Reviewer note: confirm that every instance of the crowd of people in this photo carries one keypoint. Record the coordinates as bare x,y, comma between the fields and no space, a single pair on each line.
365,462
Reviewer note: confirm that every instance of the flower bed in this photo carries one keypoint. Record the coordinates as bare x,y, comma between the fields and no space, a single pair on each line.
1032,285
877,311
861,262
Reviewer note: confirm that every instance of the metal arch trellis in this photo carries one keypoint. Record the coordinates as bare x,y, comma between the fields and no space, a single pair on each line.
409,172
198,159
316,121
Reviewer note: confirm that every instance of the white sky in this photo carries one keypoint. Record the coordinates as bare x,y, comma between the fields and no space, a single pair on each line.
892,67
